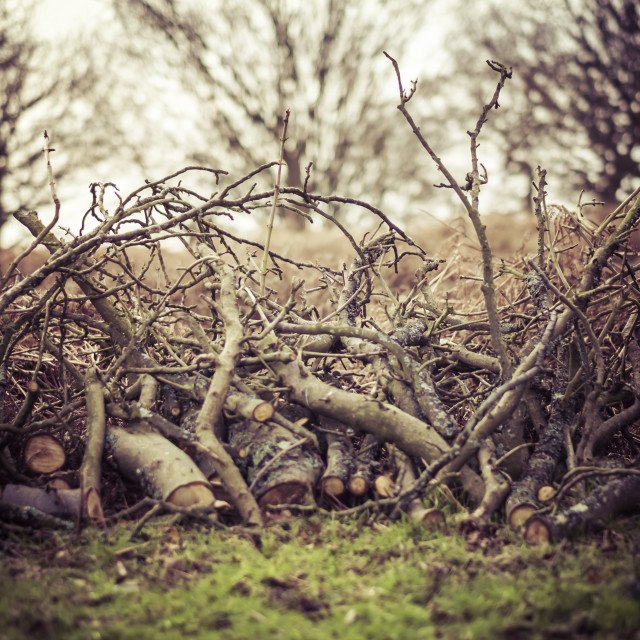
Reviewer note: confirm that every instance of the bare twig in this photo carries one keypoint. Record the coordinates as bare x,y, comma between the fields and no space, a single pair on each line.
274,206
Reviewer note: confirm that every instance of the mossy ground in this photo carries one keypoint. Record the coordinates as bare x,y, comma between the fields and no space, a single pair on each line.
318,578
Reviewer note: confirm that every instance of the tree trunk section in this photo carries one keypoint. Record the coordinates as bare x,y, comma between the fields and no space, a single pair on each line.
43,454
606,501
63,502
164,471
279,467
339,458
361,478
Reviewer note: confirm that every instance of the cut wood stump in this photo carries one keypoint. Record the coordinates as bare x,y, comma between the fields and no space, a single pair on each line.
617,495
546,493
44,454
520,515
339,458
280,467
361,478
385,485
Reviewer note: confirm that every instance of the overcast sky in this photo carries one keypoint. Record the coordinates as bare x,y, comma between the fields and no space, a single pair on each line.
64,18
55,19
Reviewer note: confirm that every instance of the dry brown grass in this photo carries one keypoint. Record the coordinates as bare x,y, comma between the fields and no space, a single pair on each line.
453,242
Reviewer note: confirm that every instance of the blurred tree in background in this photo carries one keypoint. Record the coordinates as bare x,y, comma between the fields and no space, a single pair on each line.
147,86
248,62
53,84
574,106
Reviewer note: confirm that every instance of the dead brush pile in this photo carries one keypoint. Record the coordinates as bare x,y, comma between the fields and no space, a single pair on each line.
351,376
246,379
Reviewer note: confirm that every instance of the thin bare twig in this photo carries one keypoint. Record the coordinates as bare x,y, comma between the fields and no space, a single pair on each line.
274,206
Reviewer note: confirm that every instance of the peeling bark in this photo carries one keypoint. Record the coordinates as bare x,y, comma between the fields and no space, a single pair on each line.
280,468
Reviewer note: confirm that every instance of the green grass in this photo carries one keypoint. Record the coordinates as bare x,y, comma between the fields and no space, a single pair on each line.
318,578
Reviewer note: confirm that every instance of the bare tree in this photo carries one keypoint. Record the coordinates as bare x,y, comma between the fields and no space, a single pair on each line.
17,52
249,62
67,86
578,66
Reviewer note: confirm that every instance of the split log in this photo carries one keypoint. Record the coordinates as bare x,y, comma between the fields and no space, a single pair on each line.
339,459
43,454
280,468
614,497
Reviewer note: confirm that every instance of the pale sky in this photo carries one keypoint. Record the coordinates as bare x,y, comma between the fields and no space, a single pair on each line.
54,17
63,18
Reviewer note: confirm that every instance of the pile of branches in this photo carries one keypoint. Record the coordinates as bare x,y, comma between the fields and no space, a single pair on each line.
218,388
